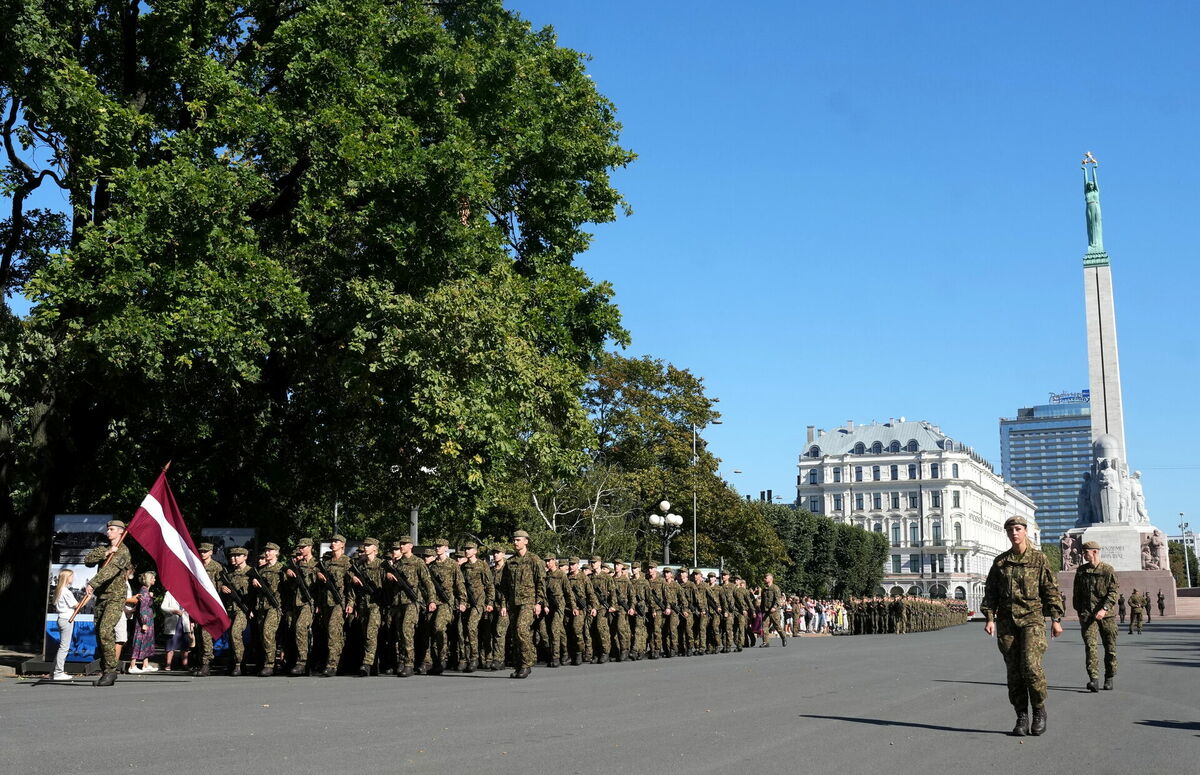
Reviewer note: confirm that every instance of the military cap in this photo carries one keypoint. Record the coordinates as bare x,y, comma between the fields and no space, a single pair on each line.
724,573
368,541
440,542
271,545
337,537
1015,520
712,575
498,549
549,556
573,560
238,550
595,559
205,547
1091,545
469,545
304,542
520,534
115,523
398,544
620,562
402,540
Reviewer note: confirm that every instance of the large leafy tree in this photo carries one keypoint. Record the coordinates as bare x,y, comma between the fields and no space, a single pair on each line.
314,252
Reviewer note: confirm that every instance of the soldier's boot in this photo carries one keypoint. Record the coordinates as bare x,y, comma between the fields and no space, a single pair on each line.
575,660
461,666
404,672
1022,727
1093,685
522,672
297,669
600,660
783,641
237,670
107,678
1038,725
1108,683
552,663
204,671
330,671
436,669
364,670
266,672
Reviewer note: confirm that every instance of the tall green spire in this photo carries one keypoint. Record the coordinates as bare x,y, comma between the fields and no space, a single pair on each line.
1095,255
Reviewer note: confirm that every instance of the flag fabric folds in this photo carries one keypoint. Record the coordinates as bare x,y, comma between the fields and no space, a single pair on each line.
159,528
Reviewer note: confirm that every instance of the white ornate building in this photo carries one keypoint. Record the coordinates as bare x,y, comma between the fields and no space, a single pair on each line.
940,504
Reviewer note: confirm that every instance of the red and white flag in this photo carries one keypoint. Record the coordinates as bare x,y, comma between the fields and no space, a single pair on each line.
158,527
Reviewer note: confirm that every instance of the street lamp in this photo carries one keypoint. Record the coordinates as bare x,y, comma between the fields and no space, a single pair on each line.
1187,562
695,463
669,524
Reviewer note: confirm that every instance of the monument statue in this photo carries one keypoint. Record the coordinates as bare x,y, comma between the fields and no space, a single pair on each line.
1091,198
1138,514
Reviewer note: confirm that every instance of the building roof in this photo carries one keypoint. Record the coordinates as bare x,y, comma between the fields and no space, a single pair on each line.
892,436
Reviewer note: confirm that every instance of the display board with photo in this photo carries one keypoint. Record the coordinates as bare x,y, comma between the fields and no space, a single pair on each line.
74,536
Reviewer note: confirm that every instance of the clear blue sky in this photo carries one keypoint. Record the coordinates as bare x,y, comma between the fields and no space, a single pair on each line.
874,209
868,210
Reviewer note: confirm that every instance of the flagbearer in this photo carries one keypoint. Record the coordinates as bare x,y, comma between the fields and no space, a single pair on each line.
213,569
108,585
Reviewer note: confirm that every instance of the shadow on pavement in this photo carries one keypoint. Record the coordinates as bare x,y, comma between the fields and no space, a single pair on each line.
879,722
1002,683
1171,724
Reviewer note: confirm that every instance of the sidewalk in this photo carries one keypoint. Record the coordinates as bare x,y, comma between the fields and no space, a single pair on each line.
10,660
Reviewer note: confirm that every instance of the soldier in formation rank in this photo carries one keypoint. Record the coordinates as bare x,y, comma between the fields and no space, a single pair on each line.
214,570
335,601
266,581
298,594
525,592
480,589
235,587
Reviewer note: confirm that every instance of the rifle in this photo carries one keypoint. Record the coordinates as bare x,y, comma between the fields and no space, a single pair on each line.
233,593
357,571
437,587
390,567
301,584
470,591
329,583
252,572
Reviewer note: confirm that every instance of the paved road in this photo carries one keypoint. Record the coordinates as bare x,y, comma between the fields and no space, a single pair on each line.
927,703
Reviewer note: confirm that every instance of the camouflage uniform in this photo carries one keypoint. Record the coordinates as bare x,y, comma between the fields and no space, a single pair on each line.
1096,590
496,646
334,598
641,606
213,569
405,610
267,613
1121,608
524,587
1136,613
299,610
239,581
1020,592
108,585
448,581
480,592
367,607
769,605
559,598
623,602
585,600
603,591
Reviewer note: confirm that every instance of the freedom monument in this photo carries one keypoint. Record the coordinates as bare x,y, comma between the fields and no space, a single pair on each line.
1112,506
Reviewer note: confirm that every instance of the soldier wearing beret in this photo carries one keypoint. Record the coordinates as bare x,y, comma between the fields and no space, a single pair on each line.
270,576
108,587
336,601
1020,592
300,613
213,569
1093,597
239,581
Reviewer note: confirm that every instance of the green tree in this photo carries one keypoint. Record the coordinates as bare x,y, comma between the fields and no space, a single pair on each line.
316,253
1053,552
1180,567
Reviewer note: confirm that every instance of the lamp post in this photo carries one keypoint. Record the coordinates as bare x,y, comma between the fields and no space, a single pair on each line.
1187,562
695,464
669,524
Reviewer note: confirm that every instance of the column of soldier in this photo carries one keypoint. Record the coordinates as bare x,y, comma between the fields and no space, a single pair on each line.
420,611
902,614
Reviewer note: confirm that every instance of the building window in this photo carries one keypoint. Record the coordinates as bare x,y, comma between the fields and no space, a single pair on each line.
894,446
935,471
858,473
960,593
814,504
911,446
912,470
814,476
914,533
858,501
837,474
875,474
958,532
937,533
954,470
896,563
956,497
941,567
814,451
895,500
876,448
859,448
877,501
878,527
914,500
935,500
837,503
914,563
896,534
895,472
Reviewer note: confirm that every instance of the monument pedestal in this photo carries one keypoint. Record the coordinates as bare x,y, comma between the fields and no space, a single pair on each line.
1138,553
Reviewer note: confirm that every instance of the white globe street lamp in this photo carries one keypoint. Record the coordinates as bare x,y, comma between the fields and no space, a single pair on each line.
669,524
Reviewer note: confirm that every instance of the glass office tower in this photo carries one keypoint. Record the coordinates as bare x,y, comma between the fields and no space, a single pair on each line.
1044,452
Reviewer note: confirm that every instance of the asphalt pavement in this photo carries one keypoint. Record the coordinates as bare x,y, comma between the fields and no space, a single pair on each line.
927,703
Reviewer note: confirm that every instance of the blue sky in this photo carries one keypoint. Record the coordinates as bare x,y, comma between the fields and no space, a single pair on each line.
868,210
874,209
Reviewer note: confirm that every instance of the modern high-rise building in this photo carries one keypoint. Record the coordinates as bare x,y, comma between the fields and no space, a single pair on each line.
1045,451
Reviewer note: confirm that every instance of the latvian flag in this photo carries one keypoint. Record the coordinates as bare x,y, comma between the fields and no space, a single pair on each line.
158,527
